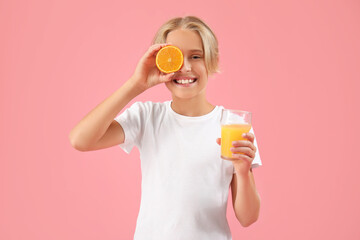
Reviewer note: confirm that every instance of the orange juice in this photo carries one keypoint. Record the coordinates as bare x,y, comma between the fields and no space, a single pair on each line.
230,133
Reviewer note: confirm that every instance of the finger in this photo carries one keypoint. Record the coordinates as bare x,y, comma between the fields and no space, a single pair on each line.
166,77
245,150
244,143
218,141
159,45
243,157
156,47
250,136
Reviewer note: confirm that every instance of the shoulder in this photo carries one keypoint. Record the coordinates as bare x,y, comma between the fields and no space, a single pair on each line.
152,106
149,107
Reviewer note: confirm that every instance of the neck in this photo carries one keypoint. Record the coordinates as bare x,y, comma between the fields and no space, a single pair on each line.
191,107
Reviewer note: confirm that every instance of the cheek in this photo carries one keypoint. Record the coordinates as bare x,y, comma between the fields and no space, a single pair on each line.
201,68
168,84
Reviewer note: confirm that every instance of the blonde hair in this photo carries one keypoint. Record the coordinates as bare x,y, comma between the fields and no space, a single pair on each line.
209,40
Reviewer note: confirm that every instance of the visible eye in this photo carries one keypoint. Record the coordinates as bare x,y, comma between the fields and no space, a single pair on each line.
196,57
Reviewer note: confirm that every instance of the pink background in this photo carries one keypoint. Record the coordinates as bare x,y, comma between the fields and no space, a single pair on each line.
294,64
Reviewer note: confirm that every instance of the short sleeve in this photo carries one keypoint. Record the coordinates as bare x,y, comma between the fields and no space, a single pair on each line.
257,160
132,120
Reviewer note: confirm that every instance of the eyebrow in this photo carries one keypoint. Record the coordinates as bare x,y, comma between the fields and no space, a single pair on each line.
196,50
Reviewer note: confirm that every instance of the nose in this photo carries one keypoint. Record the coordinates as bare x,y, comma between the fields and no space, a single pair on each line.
186,67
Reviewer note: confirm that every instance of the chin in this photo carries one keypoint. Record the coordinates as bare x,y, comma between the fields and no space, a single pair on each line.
181,93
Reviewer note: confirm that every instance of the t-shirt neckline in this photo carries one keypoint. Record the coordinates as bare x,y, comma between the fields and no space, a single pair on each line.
187,118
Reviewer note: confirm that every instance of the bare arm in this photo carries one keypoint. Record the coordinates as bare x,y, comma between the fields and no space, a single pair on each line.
92,128
98,129
245,198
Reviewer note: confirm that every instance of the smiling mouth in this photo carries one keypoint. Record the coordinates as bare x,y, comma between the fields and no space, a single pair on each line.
185,82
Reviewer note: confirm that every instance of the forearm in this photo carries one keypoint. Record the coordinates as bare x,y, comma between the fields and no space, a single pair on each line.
247,201
93,126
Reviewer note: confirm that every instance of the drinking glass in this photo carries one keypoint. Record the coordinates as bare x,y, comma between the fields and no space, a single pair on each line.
233,124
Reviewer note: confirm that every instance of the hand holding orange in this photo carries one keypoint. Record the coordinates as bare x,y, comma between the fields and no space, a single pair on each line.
169,59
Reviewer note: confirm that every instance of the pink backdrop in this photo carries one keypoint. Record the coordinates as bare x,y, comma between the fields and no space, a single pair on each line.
294,64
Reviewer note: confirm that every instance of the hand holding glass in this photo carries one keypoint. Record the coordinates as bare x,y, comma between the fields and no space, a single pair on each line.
233,124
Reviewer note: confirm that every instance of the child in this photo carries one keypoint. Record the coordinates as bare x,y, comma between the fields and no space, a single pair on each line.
184,181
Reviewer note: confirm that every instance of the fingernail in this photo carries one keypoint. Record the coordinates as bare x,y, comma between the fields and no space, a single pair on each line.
244,135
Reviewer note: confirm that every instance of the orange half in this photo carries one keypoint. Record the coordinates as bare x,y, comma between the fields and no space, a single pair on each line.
169,59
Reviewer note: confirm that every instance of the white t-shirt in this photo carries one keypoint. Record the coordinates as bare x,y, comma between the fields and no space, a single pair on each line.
185,182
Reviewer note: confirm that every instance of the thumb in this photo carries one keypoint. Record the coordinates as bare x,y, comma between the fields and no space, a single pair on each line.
218,140
167,77
170,75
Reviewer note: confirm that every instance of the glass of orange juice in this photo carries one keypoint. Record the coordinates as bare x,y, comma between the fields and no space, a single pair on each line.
233,124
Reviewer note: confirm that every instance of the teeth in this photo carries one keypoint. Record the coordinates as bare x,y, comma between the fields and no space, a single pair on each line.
186,81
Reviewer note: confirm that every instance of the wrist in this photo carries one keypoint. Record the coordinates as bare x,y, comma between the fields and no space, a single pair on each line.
243,179
135,84
242,171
